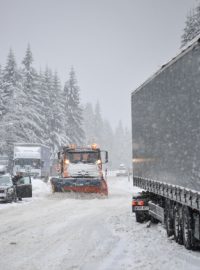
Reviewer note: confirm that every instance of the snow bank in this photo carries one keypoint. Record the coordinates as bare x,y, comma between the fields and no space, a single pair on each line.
40,188
122,183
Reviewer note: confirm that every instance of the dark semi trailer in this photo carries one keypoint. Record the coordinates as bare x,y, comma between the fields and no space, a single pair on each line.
166,147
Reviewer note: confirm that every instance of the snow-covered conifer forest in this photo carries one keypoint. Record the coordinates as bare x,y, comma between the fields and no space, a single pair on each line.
192,25
35,107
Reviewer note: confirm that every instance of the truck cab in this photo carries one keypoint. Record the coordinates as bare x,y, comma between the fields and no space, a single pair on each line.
81,170
122,170
28,165
32,159
77,161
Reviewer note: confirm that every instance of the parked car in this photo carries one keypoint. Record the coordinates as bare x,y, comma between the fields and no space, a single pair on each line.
7,189
10,192
122,171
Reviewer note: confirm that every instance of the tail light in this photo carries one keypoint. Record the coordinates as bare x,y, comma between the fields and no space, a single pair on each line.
134,203
141,203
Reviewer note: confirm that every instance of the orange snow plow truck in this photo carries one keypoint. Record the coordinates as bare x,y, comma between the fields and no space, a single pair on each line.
80,170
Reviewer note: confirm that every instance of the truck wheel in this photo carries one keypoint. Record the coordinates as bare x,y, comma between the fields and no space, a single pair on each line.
169,223
178,231
188,238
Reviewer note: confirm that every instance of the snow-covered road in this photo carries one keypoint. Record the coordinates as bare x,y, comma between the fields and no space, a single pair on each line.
61,232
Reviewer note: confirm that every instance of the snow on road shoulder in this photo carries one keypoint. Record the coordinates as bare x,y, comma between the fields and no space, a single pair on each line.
40,188
122,184
59,232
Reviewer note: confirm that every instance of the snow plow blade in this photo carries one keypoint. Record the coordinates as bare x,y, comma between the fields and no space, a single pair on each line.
80,185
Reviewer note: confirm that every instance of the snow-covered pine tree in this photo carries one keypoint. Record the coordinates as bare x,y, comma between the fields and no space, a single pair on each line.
1,96
11,91
43,96
12,95
98,125
192,26
73,111
10,82
32,115
28,71
1,111
127,148
122,146
197,19
88,124
108,141
98,130
57,133
52,100
119,145
46,86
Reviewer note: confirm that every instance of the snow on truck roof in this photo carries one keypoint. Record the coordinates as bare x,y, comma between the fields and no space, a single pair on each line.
82,150
189,46
31,144
74,148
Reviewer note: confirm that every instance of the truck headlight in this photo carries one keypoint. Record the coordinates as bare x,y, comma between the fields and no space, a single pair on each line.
66,161
98,162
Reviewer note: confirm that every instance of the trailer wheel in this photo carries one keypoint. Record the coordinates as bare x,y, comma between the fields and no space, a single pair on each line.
169,223
178,229
188,238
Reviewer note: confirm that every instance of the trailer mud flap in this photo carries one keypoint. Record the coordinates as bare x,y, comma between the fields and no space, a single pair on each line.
156,211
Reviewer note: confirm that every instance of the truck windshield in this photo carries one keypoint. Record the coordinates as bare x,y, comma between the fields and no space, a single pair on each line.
83,157
5,180
34,163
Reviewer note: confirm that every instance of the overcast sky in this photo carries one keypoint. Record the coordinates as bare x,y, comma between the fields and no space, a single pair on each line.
113,45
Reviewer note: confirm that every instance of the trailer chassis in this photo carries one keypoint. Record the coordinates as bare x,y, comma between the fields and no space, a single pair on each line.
176,207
